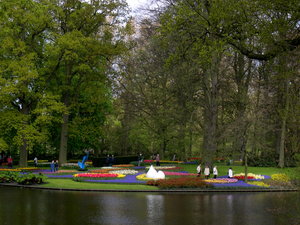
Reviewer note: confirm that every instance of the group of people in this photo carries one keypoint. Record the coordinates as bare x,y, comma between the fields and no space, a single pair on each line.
215,172
6,159
54,166
110,160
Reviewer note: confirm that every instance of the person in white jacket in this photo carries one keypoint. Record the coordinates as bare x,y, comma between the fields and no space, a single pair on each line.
230,173
206,172
199,170
215,172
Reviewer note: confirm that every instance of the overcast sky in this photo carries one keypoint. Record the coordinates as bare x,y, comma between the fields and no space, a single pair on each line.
135,4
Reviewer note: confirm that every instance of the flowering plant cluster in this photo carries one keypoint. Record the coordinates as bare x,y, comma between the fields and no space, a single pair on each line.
143,177
104,170
39,161
164,167
123,165
241,176
182,182
10,170
179,174
124,172
280,177
259,183
221,180
98,175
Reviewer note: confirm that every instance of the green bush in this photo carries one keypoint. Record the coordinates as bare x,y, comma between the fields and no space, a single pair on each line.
28,179
265,159
8,177
181,182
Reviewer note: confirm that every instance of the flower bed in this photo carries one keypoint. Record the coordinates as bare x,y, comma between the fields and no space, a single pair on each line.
168,173
99,175
241,176
182,182
259,183
164,167
143,177
123,165
124,172
9,170
104,170
221,180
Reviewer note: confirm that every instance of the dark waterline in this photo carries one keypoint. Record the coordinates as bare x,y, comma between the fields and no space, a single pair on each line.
42,207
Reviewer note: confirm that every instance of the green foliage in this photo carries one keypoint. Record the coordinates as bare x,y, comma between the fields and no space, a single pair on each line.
29,179
8,177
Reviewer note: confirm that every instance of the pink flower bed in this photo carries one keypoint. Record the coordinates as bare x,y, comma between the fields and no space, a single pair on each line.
96,175
179,174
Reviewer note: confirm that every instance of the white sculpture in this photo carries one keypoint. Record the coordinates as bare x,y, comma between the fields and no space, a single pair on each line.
152,173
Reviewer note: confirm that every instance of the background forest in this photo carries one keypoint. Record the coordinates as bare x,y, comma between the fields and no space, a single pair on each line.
202,78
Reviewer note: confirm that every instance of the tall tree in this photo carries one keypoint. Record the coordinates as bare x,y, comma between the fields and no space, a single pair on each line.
85,39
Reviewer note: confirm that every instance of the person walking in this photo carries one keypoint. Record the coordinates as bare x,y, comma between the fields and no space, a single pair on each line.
56,165
157,159
199,170
206,172
10,162
215,172
35,160
230,173
52,166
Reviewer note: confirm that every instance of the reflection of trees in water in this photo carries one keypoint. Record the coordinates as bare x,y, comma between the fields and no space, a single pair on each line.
285,209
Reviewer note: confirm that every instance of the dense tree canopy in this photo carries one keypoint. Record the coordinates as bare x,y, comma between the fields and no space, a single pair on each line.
205,78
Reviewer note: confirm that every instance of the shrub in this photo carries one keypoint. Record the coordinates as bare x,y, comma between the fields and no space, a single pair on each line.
8,177
28,179
182,182
265,159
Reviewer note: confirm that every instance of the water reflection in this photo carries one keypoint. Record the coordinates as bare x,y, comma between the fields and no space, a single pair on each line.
40,207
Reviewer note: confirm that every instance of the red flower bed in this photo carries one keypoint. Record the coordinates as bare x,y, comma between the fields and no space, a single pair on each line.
243,177
182,182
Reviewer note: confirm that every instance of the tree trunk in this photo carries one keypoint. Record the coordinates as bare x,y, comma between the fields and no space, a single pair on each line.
210,111
64,139
24,147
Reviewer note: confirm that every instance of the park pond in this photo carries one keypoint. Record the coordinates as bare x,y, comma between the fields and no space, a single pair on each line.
21,206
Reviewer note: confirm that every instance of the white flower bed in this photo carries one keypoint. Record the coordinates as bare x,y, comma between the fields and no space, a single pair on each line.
124,172
162,167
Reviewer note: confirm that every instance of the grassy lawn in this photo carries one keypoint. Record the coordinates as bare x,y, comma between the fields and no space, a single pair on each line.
292,172
69,183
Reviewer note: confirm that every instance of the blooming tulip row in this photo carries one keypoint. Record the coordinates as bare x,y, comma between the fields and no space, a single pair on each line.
221,180
241,176
99,175
179,174
124,172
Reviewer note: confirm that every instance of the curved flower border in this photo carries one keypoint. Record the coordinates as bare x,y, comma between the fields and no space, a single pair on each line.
99,175
221,180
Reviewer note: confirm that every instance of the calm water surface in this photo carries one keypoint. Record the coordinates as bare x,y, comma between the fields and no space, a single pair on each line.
42,207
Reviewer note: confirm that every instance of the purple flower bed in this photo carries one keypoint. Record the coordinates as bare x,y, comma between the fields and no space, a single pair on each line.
129,179
240,183
59,176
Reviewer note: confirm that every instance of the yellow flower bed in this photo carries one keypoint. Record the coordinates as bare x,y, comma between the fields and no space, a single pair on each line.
256,176
280,177
143,177
28,168
39,161
10,170
259,183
